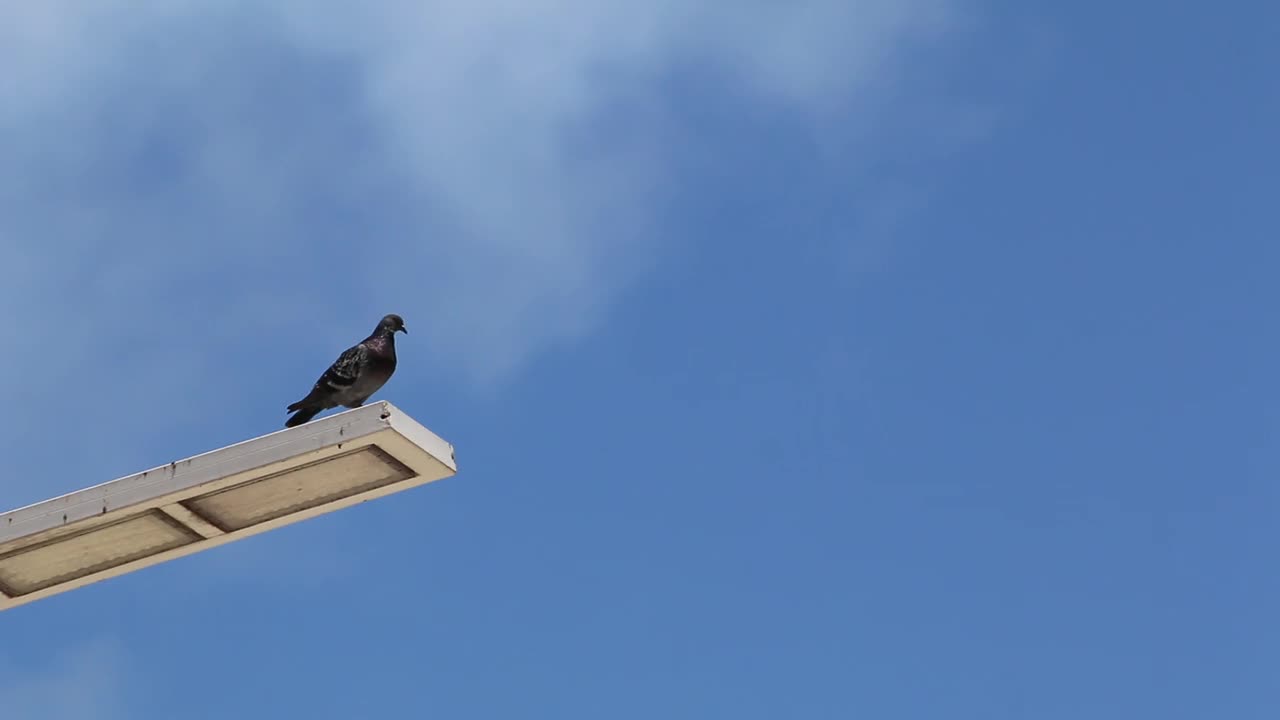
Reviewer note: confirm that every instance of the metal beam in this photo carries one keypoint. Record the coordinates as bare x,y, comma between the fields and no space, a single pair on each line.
214,498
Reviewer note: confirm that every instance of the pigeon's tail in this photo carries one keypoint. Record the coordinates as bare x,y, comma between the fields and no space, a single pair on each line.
307,408
304,414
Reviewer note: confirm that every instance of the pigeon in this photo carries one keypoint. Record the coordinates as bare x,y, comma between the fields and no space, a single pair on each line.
357,373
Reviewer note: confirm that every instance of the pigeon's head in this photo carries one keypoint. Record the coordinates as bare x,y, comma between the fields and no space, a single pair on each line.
392,324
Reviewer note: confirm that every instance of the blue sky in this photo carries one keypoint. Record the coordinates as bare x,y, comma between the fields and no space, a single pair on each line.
848,358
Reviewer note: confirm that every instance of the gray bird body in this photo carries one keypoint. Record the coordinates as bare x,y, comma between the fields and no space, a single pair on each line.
359,372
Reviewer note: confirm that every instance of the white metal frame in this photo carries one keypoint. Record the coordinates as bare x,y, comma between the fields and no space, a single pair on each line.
171,493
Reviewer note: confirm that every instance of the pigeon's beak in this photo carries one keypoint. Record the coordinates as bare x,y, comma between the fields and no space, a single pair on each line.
404,330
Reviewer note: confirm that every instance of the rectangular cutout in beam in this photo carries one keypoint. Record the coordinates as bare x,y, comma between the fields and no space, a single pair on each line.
301,488
96,549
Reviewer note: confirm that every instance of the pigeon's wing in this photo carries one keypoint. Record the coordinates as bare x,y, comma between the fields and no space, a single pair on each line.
344,371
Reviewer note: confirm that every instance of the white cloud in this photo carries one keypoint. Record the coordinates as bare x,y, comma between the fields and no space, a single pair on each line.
183,180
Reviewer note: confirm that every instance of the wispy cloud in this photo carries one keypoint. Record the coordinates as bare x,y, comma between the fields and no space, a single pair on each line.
183,181
80,684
